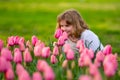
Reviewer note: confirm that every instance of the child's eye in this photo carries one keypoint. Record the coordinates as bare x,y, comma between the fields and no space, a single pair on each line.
64,25
67,25
61,25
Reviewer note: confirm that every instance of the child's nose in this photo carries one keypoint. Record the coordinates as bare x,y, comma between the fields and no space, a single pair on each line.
63,28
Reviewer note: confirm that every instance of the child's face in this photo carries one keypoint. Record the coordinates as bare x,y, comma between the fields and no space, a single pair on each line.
65,27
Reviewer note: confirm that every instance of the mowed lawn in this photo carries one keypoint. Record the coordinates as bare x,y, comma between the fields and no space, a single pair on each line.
26,18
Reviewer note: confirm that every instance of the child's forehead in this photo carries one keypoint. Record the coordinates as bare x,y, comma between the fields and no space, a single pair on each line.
63,22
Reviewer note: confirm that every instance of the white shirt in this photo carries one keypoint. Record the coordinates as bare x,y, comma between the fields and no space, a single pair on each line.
90,39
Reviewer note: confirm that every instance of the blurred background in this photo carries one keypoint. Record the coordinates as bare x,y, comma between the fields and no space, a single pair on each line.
38,17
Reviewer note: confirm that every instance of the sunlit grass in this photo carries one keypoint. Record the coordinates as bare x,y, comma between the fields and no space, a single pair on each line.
54,6
27,18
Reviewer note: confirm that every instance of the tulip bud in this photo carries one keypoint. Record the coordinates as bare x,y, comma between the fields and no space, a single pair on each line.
1,44
53,59
60,58
85,77
7,54
54,43
34,40
27,56
17,55
65,64
9,74
55,51
36,76
58,33
29,45
70,54
107,50
73,64
46,52
69,75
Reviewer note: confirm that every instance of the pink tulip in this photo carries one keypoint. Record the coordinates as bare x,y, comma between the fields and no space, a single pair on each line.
10,41
88,52
1,44
85,77
91,53
58,33
21,40
80,62
80,45
19,69
22,73
85,57
110,64
65,36
17,55
45,52
16,40
34,40
27,56
38,42
93,69
41,64
53,59
97,77
36,76
109,69
21,46
9,65
100,56
70,54
55,51
49,74
61,41
24,76
9,74
3,64
107,49
66,47
7,54
97,63
84,61
112,58
38,49
87,61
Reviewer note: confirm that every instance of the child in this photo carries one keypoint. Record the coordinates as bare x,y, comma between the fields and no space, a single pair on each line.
72,23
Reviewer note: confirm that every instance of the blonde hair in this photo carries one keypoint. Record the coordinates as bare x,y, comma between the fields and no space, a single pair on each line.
72,17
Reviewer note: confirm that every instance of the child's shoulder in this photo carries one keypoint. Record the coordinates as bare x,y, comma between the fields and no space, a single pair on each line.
87,34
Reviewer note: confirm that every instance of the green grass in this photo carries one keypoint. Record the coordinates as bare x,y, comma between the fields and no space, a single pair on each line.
27,18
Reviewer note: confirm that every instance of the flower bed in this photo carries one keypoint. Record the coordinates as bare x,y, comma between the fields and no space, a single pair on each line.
34,60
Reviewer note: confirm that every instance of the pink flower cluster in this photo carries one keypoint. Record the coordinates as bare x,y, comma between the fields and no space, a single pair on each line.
103,58
22,53
19,51
61,36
